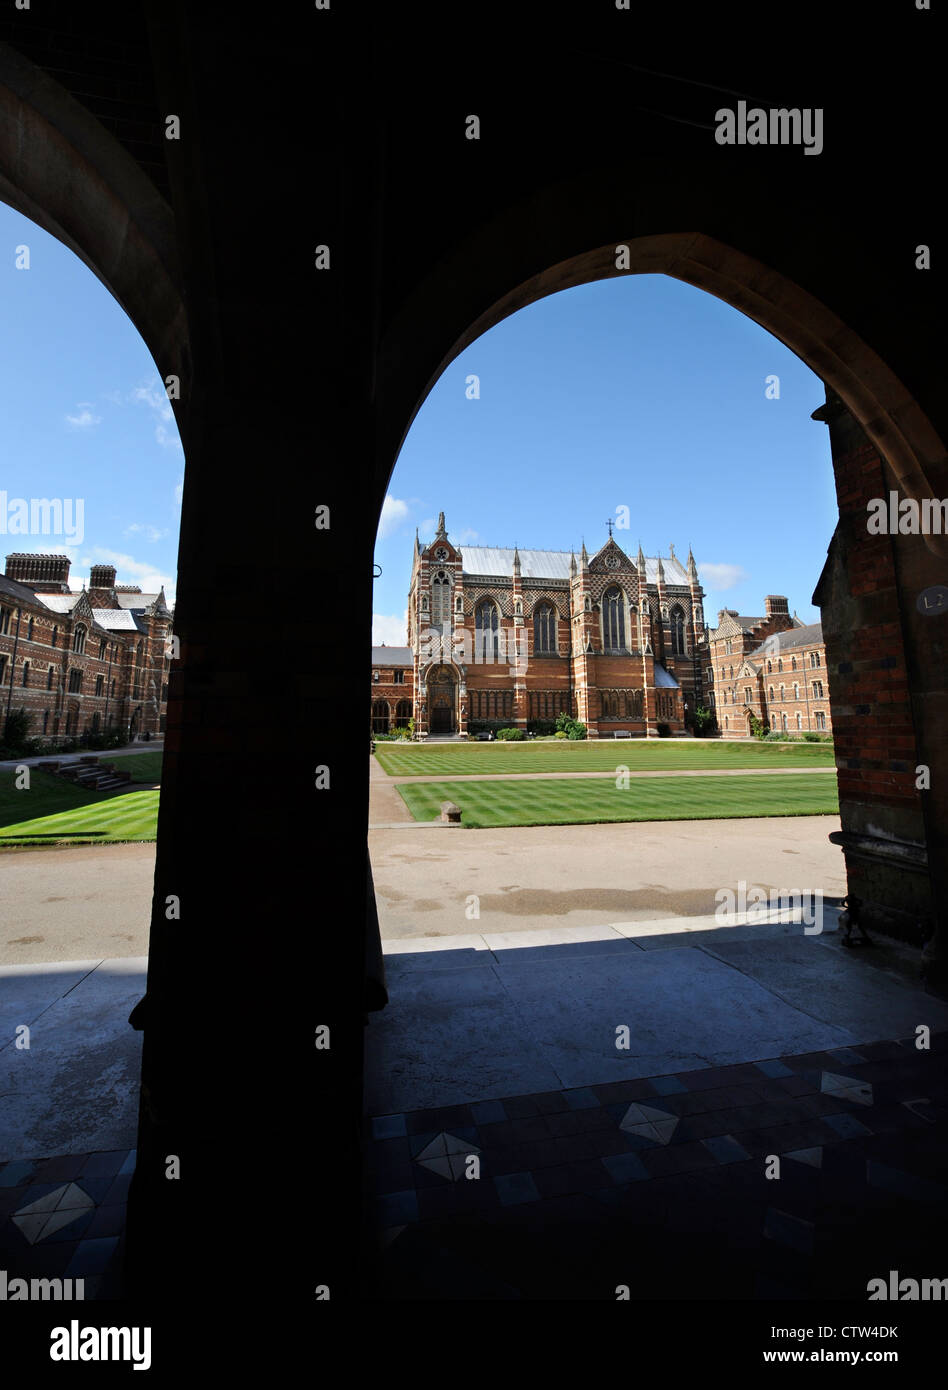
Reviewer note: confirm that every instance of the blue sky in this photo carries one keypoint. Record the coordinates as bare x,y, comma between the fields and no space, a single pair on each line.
641,392
84,417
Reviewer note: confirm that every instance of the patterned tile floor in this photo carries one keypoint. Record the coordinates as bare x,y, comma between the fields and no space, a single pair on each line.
65,1218
661,1184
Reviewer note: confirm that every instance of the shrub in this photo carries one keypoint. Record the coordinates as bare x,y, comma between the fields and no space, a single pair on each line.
576,730
663,730
561,733
758,728
811,736
15,730
512,735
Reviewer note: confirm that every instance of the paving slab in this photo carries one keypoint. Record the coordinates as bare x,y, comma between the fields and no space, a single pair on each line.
467,1025
846,987
75,1089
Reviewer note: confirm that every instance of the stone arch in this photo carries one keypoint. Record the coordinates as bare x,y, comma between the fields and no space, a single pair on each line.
63,170
867,386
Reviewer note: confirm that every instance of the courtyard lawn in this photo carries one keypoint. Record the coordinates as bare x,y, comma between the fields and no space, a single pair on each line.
102,819
598,755
47,795
578,802
144,767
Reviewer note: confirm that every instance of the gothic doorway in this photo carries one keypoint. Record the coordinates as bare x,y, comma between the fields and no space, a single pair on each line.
442,700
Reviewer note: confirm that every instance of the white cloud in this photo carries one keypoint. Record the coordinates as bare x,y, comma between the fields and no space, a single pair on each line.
394,512
151,533
155,397
179,490
390,630
719,577
467,537
427,528
85,418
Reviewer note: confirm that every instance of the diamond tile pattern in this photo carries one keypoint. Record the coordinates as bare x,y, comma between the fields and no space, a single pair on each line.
674,1168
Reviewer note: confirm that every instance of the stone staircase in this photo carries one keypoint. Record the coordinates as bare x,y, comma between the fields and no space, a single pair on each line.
89,772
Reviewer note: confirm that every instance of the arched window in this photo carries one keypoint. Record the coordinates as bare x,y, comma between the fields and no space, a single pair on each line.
544,629
486,640
796,692
779,665
799,720
771,692
773,721
26,673
49,679
793,663
55,637
29,630
380,716
782,688
440,601
613,621
785,723
677,619
770,666
402,713
79,639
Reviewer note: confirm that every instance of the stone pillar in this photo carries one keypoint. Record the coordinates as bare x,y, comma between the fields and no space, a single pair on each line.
887,678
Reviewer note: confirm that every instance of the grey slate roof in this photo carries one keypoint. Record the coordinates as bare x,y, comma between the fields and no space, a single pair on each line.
482,560
391,656
116,619
59,603
134,600
809,635
664,680
19,592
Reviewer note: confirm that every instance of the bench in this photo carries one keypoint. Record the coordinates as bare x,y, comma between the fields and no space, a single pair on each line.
621,733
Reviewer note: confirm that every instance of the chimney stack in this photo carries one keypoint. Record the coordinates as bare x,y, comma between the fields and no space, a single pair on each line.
776,604
102,577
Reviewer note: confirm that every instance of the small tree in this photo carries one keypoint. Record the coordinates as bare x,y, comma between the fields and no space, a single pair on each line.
758,729
703,721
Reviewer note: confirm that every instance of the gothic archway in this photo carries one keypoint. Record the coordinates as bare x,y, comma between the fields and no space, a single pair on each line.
442,685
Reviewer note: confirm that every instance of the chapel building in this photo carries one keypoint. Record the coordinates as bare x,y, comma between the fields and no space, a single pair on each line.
507,637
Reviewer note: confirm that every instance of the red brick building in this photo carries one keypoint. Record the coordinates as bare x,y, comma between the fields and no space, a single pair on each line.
506,637
770,668
81,662
393,688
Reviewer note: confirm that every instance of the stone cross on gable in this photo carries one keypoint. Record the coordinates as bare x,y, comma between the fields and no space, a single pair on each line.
610,523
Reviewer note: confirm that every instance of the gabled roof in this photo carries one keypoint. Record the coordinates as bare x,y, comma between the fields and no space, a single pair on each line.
59,603
392,656
482,560
806,635
663,679
534,564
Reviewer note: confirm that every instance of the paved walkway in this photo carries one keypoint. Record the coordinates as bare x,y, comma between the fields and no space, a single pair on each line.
528,878
103,754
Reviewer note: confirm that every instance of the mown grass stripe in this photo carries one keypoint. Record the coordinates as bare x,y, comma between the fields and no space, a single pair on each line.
518,802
